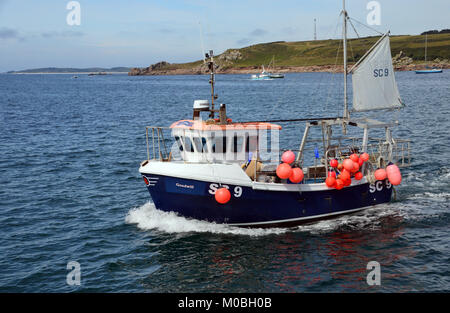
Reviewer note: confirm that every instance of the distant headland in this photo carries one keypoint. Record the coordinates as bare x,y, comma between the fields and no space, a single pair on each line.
57,70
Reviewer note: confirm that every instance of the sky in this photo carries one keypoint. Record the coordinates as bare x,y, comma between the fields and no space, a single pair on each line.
137,33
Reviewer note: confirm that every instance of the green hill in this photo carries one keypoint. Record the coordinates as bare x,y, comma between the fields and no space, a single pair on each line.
310,53
323,52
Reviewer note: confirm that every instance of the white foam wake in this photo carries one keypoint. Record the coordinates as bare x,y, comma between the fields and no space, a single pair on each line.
147,217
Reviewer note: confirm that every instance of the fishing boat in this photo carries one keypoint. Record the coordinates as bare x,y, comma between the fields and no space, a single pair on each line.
267,75
264,75
228,172
428,70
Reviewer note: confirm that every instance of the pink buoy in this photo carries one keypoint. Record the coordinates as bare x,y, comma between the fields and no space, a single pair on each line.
380,174
348,164
393,174
288,157
284,171
222,195
296,176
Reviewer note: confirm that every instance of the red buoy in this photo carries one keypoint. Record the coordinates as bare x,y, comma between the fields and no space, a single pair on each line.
364,156
354,157
358,175
347,182
222,195
330,181
332,174
348,164
355,167
288,157
334,163
380,174
339,184
284,171
296,176
360,162
393,174
344,175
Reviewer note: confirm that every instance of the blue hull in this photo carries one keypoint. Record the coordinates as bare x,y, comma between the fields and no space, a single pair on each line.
261,208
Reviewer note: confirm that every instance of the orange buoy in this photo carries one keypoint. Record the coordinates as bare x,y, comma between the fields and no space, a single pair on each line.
348,164
330,181
340,167
334,163
296,176
284,171
222,195
364,156
380,174
339,184
288,157
393,174
358,175
354,157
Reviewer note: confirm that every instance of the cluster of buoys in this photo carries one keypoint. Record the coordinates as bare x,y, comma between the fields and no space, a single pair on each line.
392,173
351,166
285,171
348,168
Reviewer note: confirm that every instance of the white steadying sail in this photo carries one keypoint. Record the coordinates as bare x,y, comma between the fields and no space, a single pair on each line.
374,85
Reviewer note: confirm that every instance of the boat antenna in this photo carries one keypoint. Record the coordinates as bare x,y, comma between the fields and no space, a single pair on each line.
201,40
211,67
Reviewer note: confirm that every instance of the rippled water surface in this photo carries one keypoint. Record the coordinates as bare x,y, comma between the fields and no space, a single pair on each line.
71,191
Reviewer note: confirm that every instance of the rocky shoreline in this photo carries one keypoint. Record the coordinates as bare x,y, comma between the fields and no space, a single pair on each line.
226,60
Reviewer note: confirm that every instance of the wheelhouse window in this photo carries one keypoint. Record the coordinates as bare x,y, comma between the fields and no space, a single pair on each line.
179,142
200,144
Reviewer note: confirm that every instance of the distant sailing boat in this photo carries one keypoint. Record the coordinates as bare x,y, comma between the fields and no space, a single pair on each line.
274,75
428,71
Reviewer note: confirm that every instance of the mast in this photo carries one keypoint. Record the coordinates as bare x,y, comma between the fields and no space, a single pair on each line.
211,81
315,30
344,35
426,39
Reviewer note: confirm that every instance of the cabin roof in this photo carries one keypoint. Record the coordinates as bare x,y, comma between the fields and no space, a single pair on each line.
204,126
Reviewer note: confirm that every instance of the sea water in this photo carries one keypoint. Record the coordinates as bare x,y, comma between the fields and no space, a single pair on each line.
71,191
